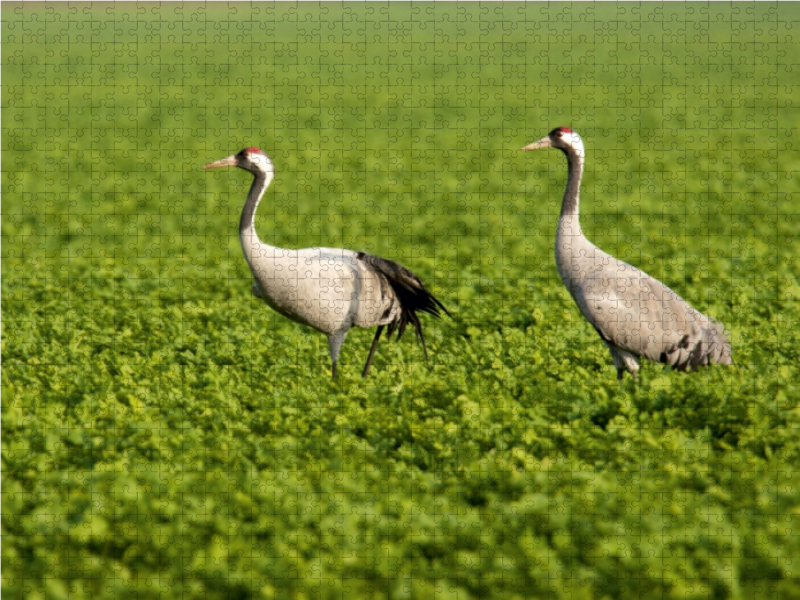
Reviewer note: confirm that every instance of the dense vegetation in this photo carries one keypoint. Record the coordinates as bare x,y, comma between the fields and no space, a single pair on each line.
165,434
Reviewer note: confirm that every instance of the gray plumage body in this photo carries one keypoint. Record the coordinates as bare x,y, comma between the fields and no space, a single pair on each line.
329,289
635,314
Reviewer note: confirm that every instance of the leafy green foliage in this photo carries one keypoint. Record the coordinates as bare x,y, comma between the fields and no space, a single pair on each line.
166,434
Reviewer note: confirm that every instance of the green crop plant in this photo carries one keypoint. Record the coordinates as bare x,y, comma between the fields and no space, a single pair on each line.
165,434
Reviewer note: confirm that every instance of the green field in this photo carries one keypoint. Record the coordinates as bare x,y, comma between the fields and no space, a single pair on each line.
165,434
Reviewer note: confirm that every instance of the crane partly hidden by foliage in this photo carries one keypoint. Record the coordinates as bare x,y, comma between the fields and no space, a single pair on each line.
634,314
329,289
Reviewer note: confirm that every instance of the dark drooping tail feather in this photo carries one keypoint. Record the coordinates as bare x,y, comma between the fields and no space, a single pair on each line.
411,293
688,354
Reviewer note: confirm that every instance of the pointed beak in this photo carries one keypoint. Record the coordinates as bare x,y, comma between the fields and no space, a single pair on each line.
225,162
542,143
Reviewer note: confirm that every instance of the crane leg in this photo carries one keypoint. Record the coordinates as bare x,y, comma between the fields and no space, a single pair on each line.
335,342
424,346
372,350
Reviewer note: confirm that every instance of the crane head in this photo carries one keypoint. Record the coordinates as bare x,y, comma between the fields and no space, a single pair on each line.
249,159
562,138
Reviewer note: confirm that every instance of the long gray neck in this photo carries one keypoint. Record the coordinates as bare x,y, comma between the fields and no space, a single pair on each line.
251,245
572,248
569,220
575,170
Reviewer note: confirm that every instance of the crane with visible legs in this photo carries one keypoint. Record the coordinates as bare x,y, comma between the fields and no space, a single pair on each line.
329,289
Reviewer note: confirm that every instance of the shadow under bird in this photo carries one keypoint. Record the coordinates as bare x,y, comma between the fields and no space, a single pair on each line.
635,314
329,289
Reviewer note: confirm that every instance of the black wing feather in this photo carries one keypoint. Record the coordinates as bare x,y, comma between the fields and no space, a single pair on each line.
411,293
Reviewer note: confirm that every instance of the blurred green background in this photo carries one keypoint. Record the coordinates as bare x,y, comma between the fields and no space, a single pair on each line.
166,435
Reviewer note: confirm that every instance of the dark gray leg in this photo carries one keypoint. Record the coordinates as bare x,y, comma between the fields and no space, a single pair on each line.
372,350
424,346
